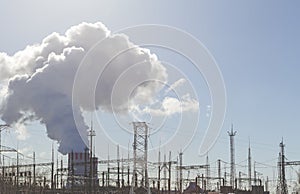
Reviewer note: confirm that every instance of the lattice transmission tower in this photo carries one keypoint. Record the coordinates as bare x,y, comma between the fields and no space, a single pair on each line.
281,185
140,154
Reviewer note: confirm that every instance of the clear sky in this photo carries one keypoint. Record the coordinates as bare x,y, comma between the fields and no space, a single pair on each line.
255,43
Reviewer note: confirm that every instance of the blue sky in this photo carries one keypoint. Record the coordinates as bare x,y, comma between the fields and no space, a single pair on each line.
255,43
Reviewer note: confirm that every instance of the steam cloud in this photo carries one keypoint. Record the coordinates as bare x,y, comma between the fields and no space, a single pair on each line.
37,83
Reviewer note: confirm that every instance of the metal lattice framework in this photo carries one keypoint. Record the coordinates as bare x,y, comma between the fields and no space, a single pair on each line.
281,186
2,127
140,149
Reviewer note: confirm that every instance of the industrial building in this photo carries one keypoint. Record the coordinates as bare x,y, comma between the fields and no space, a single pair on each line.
82,169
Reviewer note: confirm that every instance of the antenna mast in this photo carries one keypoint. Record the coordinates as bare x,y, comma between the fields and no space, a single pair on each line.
232,156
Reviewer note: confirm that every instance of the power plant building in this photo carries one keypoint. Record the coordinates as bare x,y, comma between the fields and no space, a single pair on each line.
82,168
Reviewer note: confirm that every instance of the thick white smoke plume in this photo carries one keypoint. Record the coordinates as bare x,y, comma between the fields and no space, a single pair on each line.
37,82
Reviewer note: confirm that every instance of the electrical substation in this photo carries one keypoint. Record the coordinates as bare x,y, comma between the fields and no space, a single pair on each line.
85,173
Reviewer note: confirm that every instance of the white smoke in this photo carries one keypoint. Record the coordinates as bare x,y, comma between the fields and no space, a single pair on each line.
39,80
175,85
170,106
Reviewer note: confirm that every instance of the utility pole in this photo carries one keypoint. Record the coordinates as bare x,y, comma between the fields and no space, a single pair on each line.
122,172
165,173
219,173
159,168
118,163
108,168
91,134
255,178
17,168
34,180
128,167
72,171
180,172
232,156
207,174
267,184
52,169
249,166
169,180
3,164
